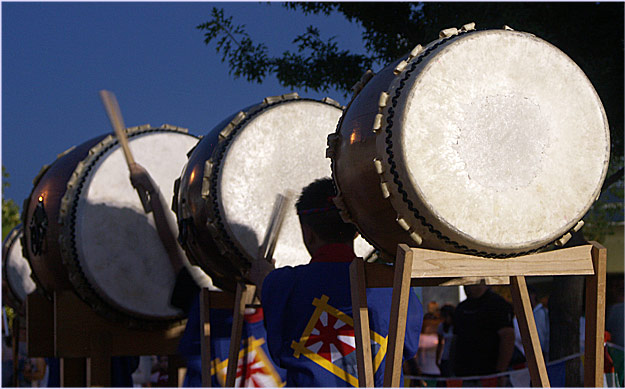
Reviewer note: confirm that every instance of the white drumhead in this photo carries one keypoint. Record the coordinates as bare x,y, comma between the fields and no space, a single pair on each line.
280,149
117,244
504,138
18,270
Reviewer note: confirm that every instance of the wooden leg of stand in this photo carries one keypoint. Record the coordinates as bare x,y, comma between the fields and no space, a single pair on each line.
174,362
182,371
73,372
399,313
360,312
15,350
237,330
205,336
595,319
99,370
99,361
39,325
529,334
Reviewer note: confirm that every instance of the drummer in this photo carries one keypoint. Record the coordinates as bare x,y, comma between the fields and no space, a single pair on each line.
185,296
306,307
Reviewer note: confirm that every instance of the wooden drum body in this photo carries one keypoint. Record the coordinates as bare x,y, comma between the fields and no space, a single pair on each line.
490,143
230,183
86,229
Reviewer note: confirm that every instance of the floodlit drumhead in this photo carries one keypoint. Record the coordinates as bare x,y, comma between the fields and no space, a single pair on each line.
280,149
18,272
501,137
116,243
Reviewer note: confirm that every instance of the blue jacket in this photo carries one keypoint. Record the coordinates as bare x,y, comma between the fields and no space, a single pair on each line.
259,371
308,315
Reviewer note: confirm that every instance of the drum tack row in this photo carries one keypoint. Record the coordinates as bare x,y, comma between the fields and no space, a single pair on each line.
491,143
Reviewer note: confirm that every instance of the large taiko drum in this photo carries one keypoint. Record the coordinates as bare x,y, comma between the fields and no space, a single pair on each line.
490,143
86,230
16,273
230,183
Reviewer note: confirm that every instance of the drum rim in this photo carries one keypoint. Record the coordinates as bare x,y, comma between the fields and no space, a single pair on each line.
67,219
232,246
340,201
195,226
384,147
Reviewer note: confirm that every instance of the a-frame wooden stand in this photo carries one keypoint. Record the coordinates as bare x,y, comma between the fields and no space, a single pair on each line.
420,267
84,341
242,299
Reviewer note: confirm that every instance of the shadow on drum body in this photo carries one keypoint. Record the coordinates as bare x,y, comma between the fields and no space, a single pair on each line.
221,267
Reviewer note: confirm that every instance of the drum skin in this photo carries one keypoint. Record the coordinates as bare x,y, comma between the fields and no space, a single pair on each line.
16,274
218,232
378,193
55,226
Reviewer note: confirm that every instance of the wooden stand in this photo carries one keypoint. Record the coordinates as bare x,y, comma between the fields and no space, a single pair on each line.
223,300
85,342
420,267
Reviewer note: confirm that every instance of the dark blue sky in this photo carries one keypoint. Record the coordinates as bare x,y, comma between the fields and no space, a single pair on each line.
57,56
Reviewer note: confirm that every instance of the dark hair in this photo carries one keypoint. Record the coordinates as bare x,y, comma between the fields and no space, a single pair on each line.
447,311
316,209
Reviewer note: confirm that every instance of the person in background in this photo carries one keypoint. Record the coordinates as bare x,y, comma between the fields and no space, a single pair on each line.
484,334
445,333
541,318
433,310
428,341
141,376
35,372
614,319
160,376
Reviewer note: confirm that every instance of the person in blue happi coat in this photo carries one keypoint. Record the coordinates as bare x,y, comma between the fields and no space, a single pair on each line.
308,309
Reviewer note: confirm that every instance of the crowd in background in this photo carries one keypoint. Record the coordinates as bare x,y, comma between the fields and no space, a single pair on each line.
457,341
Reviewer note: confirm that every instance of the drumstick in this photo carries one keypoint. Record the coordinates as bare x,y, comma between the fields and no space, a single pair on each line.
115,116
275,225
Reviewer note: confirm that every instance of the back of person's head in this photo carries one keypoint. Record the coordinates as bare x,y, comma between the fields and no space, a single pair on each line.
447,310
447,313
316,210
531,291
433,307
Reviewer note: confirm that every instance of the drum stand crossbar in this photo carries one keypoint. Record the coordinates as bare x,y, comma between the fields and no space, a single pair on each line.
420,267
84,341
243,298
